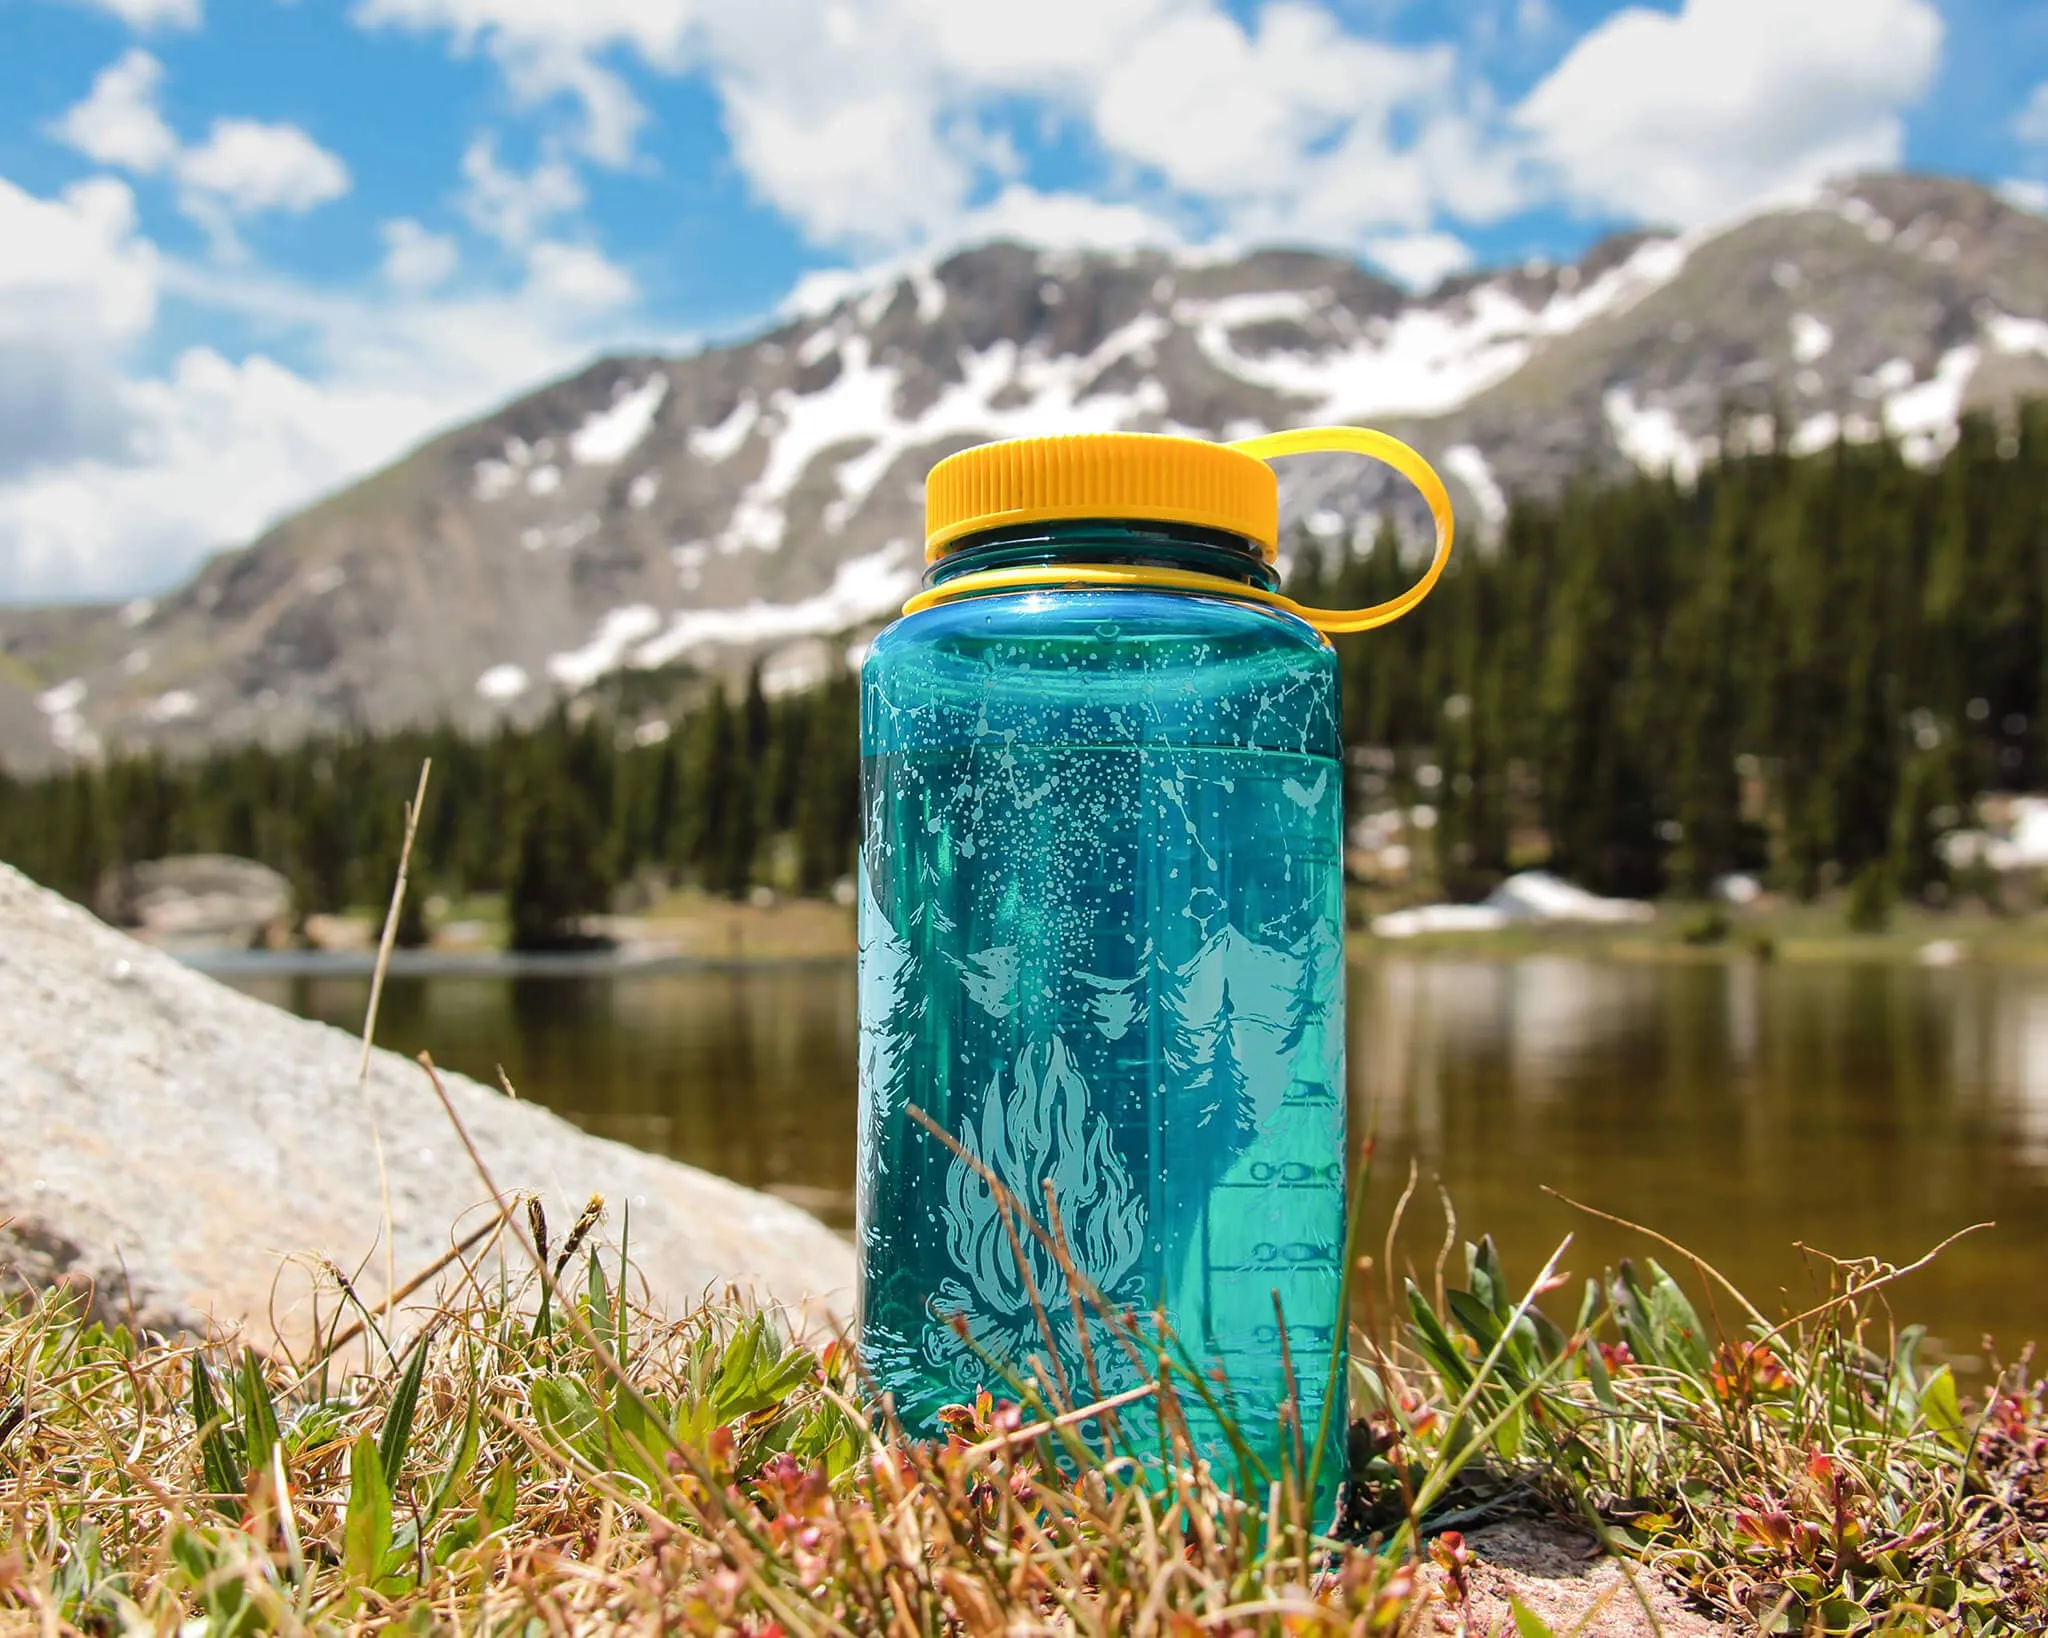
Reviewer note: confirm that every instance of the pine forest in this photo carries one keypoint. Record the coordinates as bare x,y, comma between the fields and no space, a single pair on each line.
1802,667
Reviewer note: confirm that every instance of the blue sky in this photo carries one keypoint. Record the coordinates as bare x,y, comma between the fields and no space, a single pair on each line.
252,248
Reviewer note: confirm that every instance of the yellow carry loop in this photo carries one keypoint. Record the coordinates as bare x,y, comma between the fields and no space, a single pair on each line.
1142,477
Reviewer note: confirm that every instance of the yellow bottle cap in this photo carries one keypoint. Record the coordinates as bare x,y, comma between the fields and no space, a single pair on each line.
1119,475
1142,476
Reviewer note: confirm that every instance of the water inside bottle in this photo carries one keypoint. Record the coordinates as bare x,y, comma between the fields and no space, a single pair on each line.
1114,969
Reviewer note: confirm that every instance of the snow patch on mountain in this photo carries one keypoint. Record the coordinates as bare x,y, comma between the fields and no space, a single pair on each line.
1863,214
1816,432
617,632
610,435
857,412
859,400
863,588
1465,463
2017,335
1425,360
689,558
173,706
562,536
1923,417
1650,436
502,683
1811,338
495,477
62,708
65,697
722,442
823,291
1648,268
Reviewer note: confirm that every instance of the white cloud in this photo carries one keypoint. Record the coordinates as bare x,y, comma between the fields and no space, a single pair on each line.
1421,261
2030,124
1068,219
1043,46
72,265
577,277
2026,194
414,258
243,167
77,287
249,166
512,208
152,13
1283,129
882,125
1224,114
612,115
115,478
1682,118
118,123
549,49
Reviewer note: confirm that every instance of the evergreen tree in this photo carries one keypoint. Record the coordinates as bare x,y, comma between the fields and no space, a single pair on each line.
726,834
554,878
1705,794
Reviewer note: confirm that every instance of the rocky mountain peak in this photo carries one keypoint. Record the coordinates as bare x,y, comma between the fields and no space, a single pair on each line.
763,498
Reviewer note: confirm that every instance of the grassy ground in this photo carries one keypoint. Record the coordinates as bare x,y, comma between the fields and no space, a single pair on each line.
705,924
555,1458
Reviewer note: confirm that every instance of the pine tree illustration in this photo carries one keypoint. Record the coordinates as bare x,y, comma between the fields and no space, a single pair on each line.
1225,1125
1228,1120
1308,1017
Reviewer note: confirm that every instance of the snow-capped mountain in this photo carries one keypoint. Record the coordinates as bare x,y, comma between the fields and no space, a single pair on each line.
764,499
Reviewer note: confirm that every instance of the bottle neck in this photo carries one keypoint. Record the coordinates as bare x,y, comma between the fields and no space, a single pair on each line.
1150,545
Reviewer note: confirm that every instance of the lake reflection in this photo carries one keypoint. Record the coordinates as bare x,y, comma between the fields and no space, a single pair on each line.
1862,1110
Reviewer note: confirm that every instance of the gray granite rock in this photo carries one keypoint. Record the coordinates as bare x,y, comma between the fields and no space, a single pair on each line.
173,1143
198,901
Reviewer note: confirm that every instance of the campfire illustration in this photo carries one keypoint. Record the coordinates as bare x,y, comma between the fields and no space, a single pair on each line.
1036,1129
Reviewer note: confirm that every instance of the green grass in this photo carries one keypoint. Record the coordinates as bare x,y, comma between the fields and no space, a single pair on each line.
553,1457
1805,1473
557,1466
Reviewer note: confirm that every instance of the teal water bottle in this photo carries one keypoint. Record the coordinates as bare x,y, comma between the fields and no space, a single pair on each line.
1101,899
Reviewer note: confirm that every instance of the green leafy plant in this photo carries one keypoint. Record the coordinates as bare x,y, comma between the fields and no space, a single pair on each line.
1810,1474
1794,1472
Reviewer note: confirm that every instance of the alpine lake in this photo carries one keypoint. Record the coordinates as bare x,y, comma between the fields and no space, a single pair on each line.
1765,1115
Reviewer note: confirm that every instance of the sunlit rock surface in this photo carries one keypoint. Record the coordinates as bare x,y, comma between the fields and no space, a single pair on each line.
171,1142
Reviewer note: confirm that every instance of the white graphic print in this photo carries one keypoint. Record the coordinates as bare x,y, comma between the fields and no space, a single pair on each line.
890,1007
1037,1130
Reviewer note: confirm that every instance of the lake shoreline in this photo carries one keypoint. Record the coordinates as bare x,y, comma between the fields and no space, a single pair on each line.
1795,939
489,963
